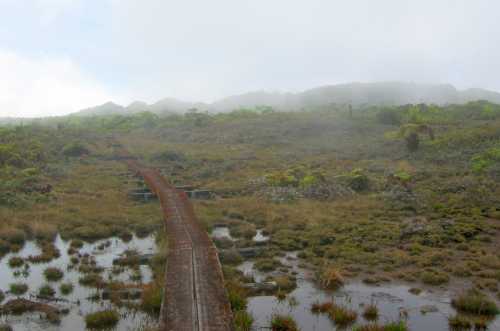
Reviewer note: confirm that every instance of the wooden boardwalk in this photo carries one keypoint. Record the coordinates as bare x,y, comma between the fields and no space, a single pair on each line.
194,297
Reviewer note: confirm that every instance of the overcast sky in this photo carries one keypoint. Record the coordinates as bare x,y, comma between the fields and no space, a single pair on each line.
58,56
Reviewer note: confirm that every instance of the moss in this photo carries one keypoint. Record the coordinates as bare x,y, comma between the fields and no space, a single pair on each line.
102,319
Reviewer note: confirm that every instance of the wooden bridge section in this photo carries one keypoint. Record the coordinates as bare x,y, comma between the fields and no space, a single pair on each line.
194,297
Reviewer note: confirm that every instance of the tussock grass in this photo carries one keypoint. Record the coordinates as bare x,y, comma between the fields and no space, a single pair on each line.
102,319
475,302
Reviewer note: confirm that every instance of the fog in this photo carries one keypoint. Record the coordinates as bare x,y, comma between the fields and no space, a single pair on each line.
58,56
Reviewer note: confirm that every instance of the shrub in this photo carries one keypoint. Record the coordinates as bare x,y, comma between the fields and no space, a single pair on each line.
46,291
102,320
18,288
66,288
75,149
283,323
2,296
230,256
475,302
53,274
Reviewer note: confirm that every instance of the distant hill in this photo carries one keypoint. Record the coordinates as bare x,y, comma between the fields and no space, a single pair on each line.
382,93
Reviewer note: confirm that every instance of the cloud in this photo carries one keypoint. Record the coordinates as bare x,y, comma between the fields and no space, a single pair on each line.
229,46
49,10
42,86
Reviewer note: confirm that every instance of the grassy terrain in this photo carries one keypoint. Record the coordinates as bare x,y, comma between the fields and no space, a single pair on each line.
348,191
383,194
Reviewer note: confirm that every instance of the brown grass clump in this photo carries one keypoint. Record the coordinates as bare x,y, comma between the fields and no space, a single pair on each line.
331,278
370,312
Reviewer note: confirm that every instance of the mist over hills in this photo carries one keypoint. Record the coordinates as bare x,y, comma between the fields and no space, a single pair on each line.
357,94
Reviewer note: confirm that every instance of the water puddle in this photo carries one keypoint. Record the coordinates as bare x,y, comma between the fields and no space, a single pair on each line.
260,237
426,311
219,232
79,302
222,231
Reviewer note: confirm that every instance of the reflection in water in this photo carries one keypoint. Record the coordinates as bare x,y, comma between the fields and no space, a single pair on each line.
78,303
221,232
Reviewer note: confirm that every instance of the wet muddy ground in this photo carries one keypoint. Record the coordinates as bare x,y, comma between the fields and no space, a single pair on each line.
429,310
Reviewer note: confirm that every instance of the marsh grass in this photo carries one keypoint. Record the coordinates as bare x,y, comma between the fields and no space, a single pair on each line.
18,288
66,288
475,302
46,291
243,321
16,262
105,319
53,274
283,323
370,312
